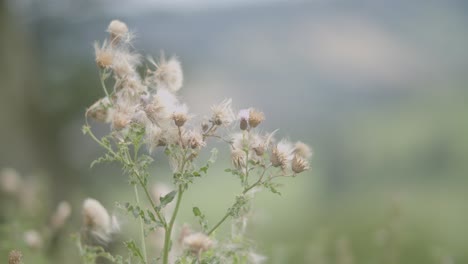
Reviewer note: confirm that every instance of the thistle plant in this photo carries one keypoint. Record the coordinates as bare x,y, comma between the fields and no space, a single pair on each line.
147,121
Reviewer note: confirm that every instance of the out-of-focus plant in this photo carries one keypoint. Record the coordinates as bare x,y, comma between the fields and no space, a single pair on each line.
145,113
26,223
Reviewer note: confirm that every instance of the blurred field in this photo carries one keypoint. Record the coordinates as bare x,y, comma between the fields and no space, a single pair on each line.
377,89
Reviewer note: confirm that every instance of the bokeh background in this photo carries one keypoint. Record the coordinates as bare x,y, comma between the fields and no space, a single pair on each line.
377,88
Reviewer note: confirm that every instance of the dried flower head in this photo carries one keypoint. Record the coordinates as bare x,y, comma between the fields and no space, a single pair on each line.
33,239
195,139
97,220
161,107
299,164
180,115
99,110
302,150
168,73
15,257
120,120
255,118
10,181
118,30
238,158
62,213
222,113
125,63
281,154
197,242
104,54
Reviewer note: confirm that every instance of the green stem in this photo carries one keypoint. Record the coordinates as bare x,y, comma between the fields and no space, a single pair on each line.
142,228
167,237
103,84
219,223
244,192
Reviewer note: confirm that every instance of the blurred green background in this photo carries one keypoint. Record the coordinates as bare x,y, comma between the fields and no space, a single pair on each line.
377,88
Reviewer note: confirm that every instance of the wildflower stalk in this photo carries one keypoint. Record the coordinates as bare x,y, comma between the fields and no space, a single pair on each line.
246,189
142,228
139,108
167,237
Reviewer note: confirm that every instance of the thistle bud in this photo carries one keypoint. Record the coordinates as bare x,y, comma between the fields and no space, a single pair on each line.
243,124
205,126
244,117
255,118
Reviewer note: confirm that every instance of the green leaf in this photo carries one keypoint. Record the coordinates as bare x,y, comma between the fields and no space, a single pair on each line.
133,248
165,200
196,211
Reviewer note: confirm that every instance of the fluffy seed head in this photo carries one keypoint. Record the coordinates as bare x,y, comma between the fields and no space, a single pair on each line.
10,181
120,120
299,164
281,154
61,215
195,140
154,136
169,74
117,30
33,239
97,220
104,55
15,257
302,150
99,110
162,106
222,113
255,118
197,242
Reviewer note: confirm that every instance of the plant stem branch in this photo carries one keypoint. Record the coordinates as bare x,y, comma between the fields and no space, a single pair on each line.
142,229
167,237
219,223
